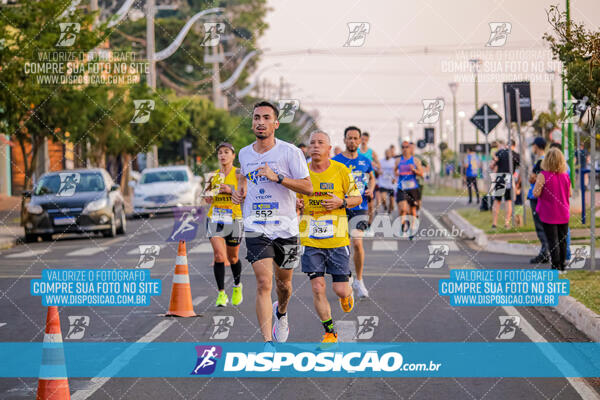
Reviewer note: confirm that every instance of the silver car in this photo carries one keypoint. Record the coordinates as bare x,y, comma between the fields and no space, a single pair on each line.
160,190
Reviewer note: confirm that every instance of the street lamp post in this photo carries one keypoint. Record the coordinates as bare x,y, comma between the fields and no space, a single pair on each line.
552,74
475,62
152,155
453,88
462,115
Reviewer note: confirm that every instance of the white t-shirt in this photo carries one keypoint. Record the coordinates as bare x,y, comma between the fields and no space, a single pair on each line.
386,179
269,207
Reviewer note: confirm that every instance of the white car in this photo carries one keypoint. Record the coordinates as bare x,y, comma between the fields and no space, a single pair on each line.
159,190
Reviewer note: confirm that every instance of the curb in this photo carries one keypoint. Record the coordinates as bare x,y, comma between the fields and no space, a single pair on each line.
584,319
493,246
468,231
9,243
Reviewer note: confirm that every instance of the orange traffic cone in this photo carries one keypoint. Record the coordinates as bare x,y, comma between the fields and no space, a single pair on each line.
53,383
181,293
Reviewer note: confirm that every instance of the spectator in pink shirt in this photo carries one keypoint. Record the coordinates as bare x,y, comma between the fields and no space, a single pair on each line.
553,190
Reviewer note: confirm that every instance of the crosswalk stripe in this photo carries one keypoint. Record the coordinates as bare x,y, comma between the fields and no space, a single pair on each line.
28,253
86,251
451,245
202,248
124,358
346,330
385,245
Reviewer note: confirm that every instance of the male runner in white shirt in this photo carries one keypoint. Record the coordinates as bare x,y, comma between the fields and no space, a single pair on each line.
272,172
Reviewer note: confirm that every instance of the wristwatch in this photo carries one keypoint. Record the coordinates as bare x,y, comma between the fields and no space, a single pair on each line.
280,178
344,204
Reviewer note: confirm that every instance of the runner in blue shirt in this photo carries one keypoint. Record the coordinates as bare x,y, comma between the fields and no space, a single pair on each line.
362,170
365,150
471,170
407,195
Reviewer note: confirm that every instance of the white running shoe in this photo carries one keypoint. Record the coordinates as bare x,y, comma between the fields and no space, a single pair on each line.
281,329
359,286
369,233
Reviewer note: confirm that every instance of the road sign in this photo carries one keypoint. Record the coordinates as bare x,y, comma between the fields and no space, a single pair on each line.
421,143
486,119
429,135
524,100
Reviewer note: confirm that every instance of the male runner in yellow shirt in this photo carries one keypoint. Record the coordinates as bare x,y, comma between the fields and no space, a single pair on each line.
324,229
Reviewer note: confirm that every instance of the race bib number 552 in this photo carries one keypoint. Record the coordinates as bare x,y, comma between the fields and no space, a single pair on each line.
265,213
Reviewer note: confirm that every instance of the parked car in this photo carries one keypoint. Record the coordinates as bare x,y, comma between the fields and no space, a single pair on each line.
159,190
74,201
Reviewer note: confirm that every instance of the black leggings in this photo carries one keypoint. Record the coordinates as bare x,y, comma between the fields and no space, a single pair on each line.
472,181
557,243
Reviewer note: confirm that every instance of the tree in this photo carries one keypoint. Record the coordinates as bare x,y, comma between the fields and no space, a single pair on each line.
35,110
579,50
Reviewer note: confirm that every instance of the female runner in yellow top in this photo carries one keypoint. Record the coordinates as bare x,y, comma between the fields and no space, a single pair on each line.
224,225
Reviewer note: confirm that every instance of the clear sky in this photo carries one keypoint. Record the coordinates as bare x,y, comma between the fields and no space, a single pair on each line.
412,51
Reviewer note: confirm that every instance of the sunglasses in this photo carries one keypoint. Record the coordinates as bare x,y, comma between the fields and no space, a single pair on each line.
405,147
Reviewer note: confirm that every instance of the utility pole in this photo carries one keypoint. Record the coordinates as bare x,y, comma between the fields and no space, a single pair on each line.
437,142
475,62
218,98
150,47
571,150
152,155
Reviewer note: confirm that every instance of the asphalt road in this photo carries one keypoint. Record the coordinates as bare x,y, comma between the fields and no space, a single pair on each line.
403,296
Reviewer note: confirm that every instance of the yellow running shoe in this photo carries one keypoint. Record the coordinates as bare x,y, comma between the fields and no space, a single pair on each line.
222,299
236,296
329,338
347,303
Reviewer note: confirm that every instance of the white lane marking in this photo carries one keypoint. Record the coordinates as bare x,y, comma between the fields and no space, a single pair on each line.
123,358
199,300
2,324
435,222
86,251
346,330
580,385
451,245
28,253
202,248
385,245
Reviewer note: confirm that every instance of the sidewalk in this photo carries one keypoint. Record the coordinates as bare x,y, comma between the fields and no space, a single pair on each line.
10,215
584,319
499,242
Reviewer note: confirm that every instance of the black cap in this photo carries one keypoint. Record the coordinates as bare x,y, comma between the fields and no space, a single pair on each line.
226,144
540,142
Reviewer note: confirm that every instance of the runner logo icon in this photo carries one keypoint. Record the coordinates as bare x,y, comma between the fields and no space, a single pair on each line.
68,183
366,326
207,359
508,326
223,324
578,256
437,255
77,326
500,182
499,32
148,255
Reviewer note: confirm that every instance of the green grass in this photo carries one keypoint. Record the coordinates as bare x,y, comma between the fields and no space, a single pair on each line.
585,287
574,240
445,191
483,220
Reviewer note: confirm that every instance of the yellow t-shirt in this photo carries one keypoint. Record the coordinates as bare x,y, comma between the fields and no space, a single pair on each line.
319,227
222,208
